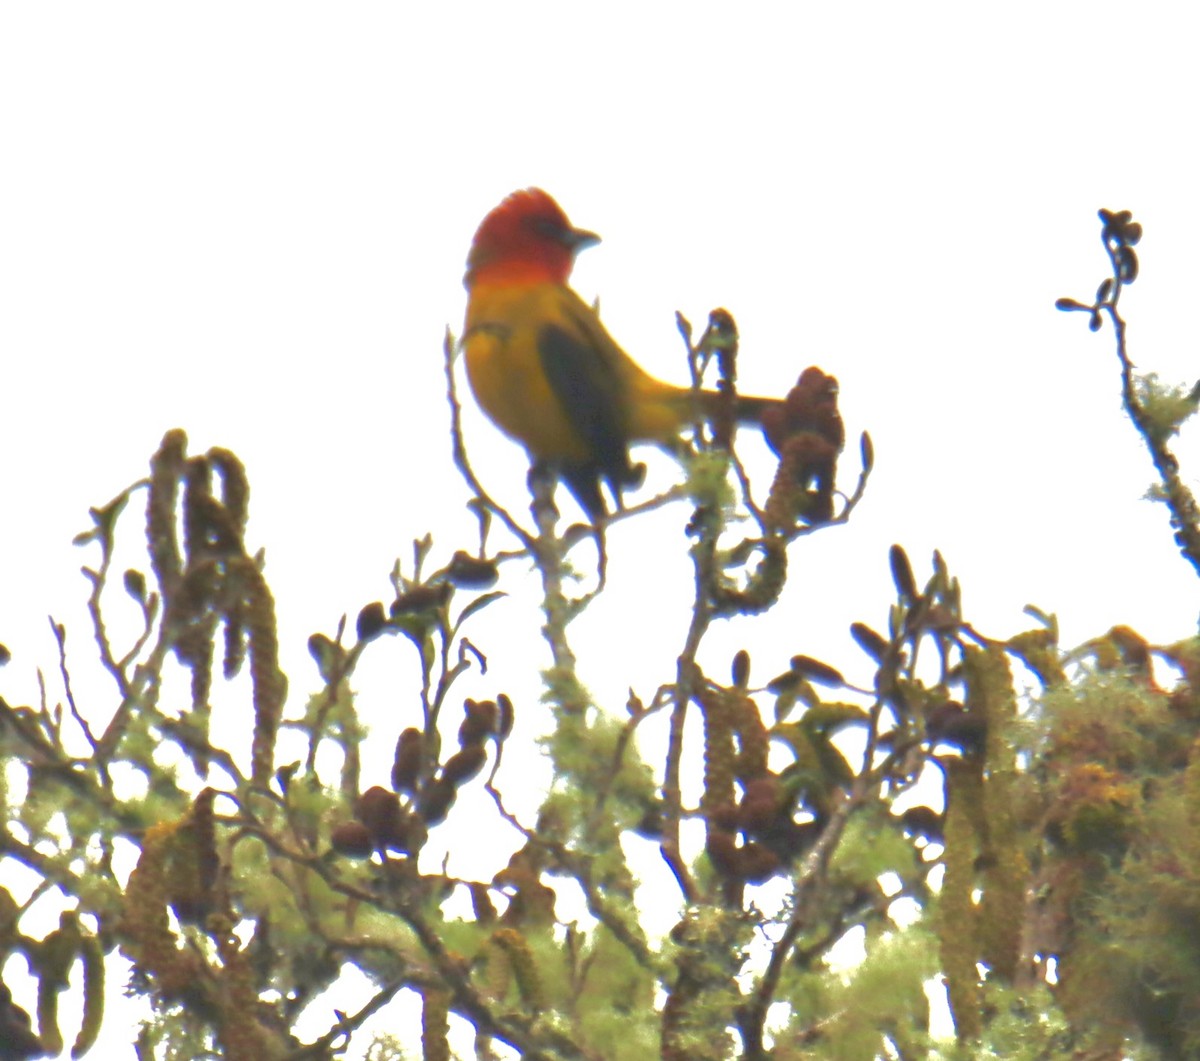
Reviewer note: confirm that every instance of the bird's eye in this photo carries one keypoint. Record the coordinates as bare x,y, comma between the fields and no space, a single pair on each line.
547,227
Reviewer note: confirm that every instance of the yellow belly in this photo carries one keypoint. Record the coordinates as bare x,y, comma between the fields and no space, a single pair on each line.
508,382
505,370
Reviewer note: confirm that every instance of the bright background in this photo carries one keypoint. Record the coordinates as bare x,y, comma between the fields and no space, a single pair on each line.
250,221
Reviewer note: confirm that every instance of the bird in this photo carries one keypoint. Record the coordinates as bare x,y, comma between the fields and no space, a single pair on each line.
545,370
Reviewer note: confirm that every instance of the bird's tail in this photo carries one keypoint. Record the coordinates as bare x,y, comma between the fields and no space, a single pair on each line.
716,409
810,408
749,410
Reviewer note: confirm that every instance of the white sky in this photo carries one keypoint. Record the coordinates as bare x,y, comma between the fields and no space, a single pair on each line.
250,221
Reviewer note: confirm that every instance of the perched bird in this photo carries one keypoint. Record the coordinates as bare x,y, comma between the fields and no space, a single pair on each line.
546,371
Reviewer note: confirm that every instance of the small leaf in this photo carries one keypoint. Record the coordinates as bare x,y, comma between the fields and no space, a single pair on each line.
785,701
417,629
799,740
829,718
1104,290
478,604
819,765
807,695
1069,304
1095,321
834,765
867,452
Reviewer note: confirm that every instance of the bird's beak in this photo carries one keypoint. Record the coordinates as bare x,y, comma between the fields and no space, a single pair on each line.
579,238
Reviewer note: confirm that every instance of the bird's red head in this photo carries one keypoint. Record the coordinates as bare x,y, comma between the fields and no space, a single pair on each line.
526,238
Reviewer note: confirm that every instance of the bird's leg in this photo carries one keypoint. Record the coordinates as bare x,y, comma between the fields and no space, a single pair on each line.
601,555
543,478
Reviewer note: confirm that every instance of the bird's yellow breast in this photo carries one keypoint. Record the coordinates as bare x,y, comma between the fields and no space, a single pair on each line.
505,331
504,368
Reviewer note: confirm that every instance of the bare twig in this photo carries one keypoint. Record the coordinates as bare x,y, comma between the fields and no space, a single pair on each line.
1120,234
449,350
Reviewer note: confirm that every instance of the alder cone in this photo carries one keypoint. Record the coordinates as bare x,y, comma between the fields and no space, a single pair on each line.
479,723
464,764
379,810
406,766
352,839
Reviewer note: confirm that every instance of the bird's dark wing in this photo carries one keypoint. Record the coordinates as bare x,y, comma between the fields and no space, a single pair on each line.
579,359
